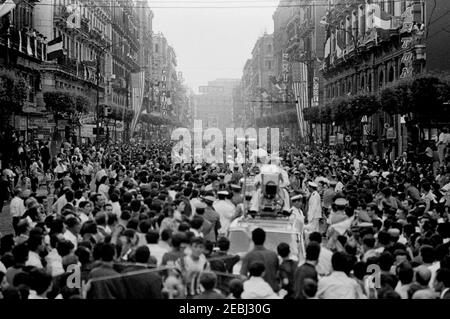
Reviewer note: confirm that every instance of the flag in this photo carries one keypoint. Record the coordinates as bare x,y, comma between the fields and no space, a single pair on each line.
381,19
369,17
7,7
327,48
340,44
300,89
137,91
55,49
29,48
20,41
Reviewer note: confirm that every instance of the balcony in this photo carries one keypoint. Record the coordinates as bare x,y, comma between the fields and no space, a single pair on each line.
19,43
293,43
305,28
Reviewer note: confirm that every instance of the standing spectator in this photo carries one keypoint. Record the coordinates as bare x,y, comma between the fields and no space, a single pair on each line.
307,270
192,265
442,283
17,207
208,280
256,287
287,269
265,256
339,285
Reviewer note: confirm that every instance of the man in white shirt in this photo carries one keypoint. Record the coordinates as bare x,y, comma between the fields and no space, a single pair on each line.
338,285
442,143
60,203
195,201
17,206
60,168
54,260
156,250
323,267
226,211
72,233
314,208
36,245
116,209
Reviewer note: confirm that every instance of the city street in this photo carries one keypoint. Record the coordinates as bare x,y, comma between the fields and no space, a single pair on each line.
263,149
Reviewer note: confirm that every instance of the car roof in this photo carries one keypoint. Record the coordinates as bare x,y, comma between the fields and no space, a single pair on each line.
273,225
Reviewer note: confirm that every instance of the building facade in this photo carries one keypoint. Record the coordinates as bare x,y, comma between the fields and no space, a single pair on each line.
214,105
164,76
296,83
371,45
23,51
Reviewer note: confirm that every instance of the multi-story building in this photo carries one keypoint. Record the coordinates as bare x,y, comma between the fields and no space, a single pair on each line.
256,85
164,75
239,115
23,50
247,96
366,48
85,30
104,42
297,84
214,105
146,49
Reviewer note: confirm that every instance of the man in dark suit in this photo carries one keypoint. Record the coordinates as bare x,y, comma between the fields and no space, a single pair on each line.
307,270
265,256
442,283
147,285
209,280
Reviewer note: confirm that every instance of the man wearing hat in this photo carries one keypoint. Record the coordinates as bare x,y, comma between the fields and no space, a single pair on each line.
226,211
314,208
237,196
296,212
338,214
329,194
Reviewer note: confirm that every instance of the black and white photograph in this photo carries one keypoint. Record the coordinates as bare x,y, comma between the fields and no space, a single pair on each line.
247,151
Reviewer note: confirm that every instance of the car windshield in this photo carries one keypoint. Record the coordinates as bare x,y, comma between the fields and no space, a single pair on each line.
241,241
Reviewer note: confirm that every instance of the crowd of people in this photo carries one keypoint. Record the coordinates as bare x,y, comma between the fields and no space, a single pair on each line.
125,221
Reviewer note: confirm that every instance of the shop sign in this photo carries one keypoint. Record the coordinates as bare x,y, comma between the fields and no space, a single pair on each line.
332,141
21,123
315,101
390,134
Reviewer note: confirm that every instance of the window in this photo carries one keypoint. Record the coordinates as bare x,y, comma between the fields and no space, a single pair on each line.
362,20
156,48
269,65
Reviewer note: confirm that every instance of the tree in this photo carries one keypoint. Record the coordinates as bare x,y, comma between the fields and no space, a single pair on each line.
13,92
60,103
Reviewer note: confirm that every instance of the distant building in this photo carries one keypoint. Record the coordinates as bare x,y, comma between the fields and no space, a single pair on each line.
214,104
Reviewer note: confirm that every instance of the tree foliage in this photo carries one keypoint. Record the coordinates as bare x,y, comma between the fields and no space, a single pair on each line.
424,95
13,91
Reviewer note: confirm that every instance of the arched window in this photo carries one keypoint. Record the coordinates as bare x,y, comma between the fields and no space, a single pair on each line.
391,74
381,79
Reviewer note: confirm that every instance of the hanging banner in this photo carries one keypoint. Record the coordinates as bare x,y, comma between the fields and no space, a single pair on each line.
300,88
137,91
315,91
285,67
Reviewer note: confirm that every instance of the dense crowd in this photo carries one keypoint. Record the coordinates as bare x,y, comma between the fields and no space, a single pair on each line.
124,221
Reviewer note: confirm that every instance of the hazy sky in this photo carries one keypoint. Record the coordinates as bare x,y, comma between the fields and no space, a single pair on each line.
209,42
